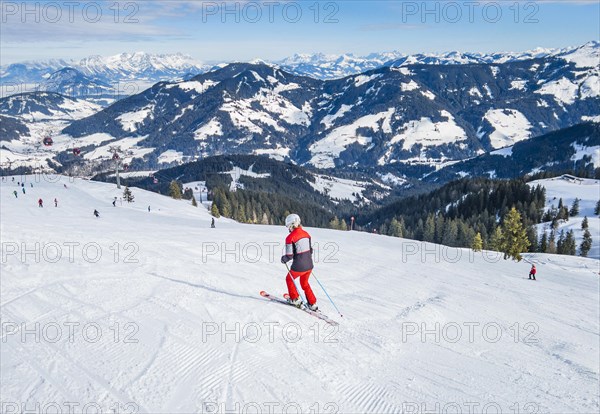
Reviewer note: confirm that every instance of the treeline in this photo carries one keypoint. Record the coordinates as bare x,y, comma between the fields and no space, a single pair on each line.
455,213
265,208
474,212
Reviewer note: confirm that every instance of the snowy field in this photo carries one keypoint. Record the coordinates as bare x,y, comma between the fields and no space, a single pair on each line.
155,312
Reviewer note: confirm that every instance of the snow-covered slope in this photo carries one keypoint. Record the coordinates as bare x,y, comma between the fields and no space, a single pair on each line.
588,192
167,318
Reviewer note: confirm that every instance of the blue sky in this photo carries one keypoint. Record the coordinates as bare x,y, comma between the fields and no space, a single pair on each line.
219,31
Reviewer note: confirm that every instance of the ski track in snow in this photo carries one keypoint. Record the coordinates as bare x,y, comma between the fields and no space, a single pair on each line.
169,299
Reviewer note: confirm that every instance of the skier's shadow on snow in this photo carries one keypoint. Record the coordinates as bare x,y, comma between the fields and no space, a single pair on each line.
208,288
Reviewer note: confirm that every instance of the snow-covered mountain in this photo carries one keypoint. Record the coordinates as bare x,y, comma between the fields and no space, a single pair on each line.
125,67
323,66
141,66
71,82
43,106
419,114
155,312
402,120
575,148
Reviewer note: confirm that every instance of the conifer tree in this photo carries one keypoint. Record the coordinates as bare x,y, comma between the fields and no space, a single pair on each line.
585,224
574,208
586,244
214,210
128,195
477,244
514,236
175,190
396,229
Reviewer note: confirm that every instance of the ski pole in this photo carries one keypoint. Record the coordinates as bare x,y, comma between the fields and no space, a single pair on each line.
329,297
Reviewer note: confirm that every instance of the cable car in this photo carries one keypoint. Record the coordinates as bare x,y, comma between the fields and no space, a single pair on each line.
48,141
115,156
76,151
125,167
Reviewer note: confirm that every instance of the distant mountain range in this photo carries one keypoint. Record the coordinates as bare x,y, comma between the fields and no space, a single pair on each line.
398,117
126,71
397,122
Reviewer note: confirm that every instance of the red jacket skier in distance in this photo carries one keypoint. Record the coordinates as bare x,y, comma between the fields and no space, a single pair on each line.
298,247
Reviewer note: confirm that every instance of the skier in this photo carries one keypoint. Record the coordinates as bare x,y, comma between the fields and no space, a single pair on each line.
212,223
148,209
55,202
16,194
298,247
40,203
115,202
23,190
96,213
64,185
532,272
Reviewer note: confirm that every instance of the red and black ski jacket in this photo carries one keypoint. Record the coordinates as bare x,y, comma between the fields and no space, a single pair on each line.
298,246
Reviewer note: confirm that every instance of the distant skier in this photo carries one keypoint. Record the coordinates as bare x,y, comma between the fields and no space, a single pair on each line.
23,190
115,202
64,185
40,203
16,194
212,223
298,247
31,185
96,213
148,209
532,272
55,202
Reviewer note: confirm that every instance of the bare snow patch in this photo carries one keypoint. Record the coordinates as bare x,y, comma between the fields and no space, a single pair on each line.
510,126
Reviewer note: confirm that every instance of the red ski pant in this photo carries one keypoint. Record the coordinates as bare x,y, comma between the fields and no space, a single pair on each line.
310,296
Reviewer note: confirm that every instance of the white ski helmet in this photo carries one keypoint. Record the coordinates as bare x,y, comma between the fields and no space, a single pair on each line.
292,221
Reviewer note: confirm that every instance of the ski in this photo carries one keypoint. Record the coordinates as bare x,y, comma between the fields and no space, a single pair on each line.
317,314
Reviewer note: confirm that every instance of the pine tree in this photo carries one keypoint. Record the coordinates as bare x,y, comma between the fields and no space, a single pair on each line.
551,243
334,223
569,245
265,218
560,243
194,202
225,206
343,225
586,244
584,224
477,245
214,210
597,209
175,190
496,239
429,231
544,243
514,236
396,229
450,233
128,195
575,208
